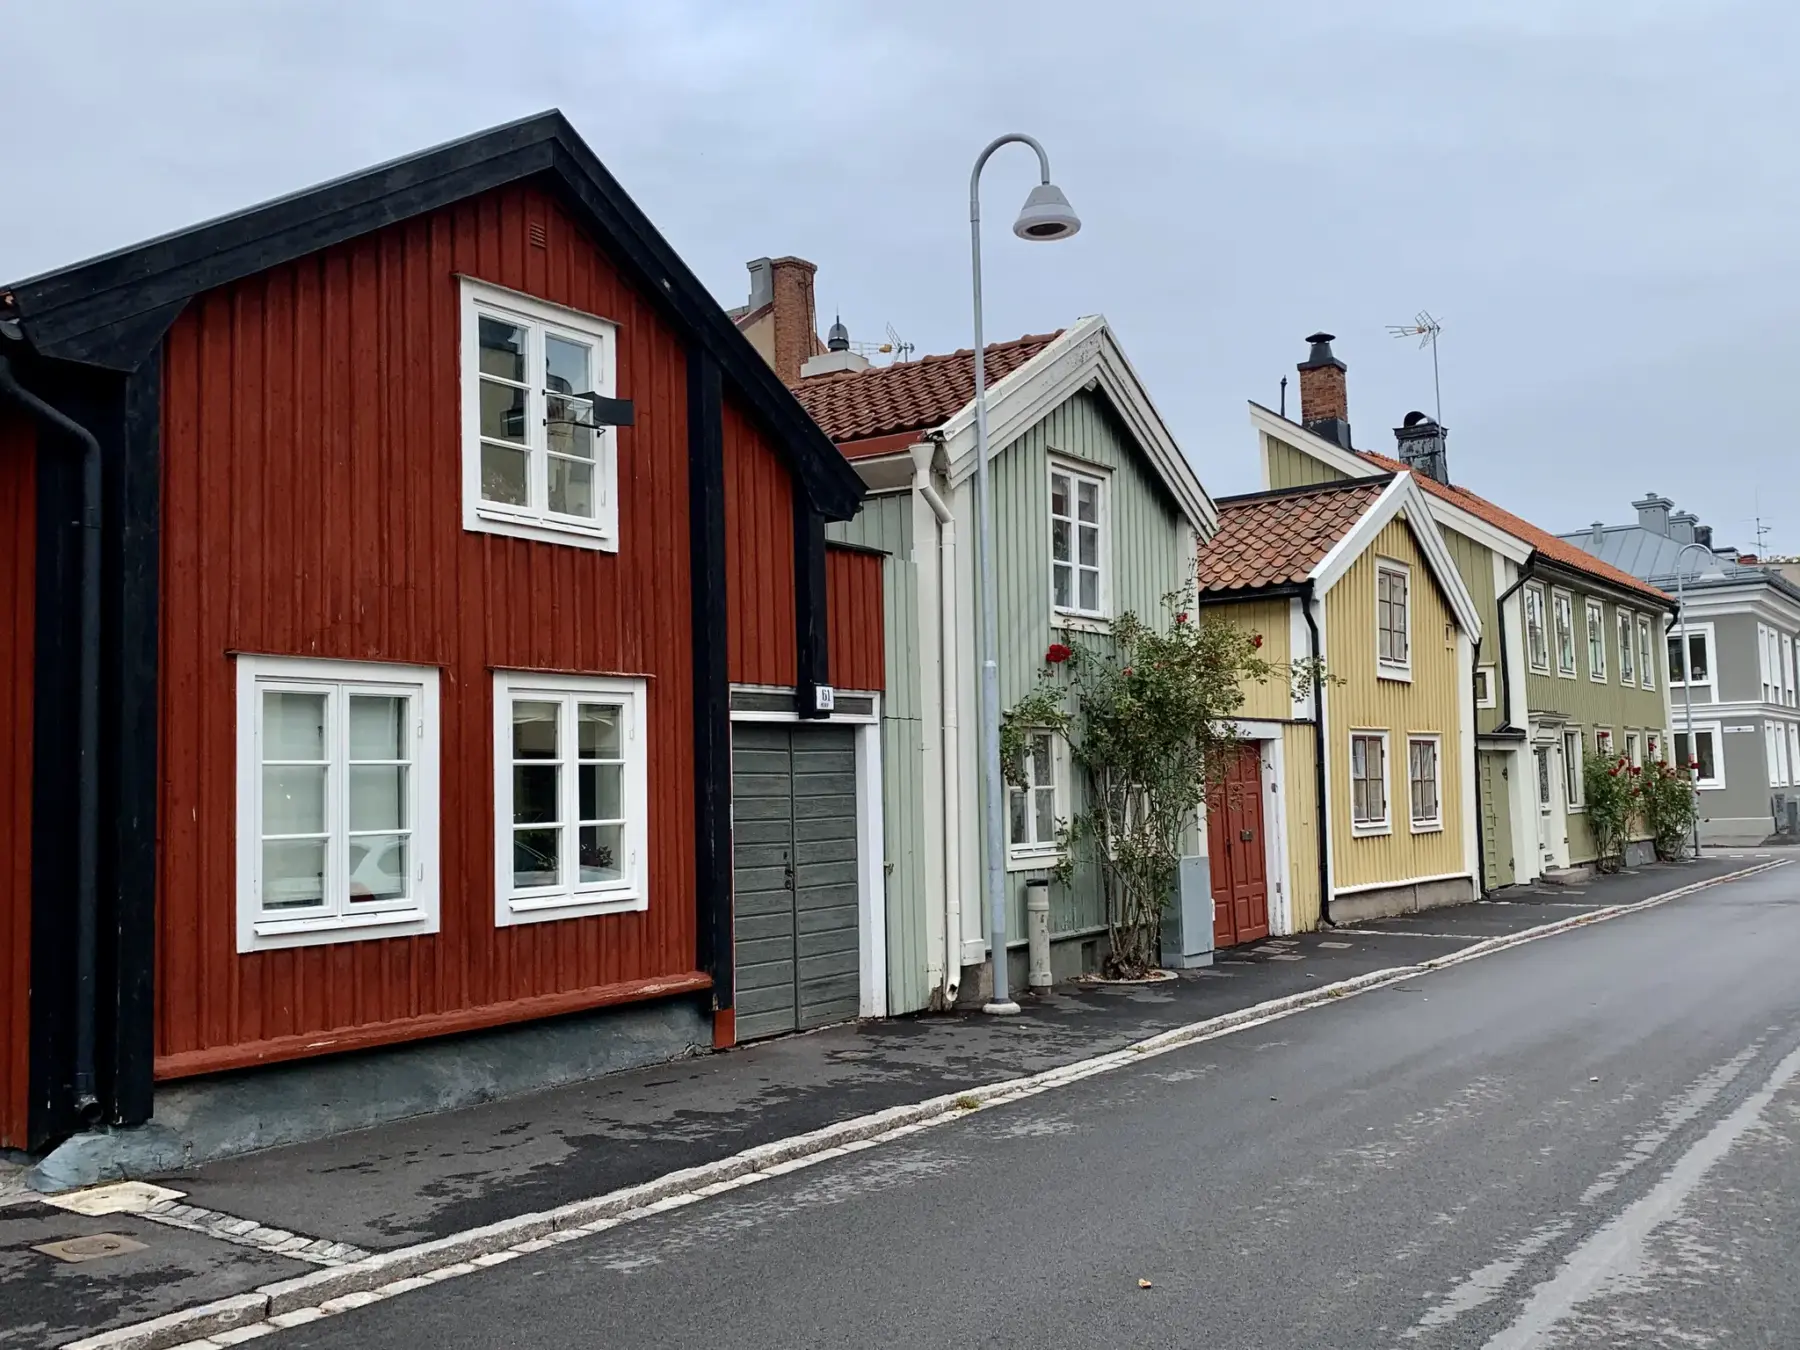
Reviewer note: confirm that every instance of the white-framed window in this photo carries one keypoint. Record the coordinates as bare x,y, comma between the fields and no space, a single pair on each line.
1487,693
1368,783
1603,742
1393,619
1537,640
1775,742
1788,690
1079,581
1793,733
1646,653
1697,667
1627,647
1425,783
1036,810
1654,743
1565,633
571,797
1634,749
1596,640
534,464
1574,756
1768,664
1542,755
337,801
1702,753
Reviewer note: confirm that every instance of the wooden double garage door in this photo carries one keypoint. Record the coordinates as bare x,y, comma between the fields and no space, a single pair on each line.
794,876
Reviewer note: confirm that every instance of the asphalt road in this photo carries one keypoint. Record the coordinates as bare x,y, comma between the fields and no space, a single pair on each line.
1589,1141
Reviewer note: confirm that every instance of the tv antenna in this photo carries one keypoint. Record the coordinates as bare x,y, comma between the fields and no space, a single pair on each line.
1426,329
894,347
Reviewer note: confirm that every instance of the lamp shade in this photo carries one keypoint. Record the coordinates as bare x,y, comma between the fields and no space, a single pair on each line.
1046,215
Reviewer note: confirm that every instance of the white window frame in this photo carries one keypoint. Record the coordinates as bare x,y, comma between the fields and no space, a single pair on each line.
1768,669
536,520
1574,770
1368,827
1487,694
1431,824
1775,748
1039,852
1594,614
1717,731
1703,631
1603,743
1787,670
1389,668
1647,654
1544,635
1655,747
572,899
1563,603
338,922
1626,623
1102,482
1634,749
1793,735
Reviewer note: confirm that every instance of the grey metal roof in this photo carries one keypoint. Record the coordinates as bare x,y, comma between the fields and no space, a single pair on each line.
1654,557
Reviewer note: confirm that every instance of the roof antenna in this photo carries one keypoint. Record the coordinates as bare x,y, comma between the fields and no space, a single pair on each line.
1284,396
1426,329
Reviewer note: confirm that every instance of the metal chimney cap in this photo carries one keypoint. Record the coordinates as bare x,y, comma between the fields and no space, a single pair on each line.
1321,356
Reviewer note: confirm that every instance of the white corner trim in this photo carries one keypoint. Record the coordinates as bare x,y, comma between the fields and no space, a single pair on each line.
872,847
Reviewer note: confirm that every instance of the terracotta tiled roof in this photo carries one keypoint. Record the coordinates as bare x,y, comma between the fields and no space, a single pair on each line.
909,395
1277,538
1557,550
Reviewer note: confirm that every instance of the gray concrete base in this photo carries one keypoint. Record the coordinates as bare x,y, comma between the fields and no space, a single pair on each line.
1409,898
204,1119
1084,954
1640,853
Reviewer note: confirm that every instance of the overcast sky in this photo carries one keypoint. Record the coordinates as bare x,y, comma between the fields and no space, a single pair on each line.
1600,199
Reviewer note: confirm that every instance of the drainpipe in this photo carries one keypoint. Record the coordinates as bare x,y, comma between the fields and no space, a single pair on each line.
1324,816
87,847
949,746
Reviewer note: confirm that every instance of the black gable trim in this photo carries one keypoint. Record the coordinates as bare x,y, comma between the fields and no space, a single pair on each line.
110,311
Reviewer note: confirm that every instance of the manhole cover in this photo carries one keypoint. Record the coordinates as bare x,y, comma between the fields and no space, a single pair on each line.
91,1247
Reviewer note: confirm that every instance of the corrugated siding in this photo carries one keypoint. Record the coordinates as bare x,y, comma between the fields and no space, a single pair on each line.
312,507
1273,698
1300,790
853,618
1475,564
1429,703
1289,467
18,646
759,578
886,523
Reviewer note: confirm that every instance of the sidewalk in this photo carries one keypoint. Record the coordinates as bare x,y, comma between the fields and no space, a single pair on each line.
436,1175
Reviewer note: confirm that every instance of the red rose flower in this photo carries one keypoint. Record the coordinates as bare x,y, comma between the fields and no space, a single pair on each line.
1128,670
1256,639
1181,617
1057,654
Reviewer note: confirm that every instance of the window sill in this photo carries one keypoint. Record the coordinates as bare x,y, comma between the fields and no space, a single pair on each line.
517,909
1575,810
1069,621
1566,675
491,520
274,934
1371,831
1037,860
1399,674
1597,679
1428,827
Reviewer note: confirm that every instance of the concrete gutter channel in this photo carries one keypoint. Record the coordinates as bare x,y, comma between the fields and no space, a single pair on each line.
322,1293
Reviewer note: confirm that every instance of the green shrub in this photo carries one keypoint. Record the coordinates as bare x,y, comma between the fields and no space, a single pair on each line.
1612,787
1669,806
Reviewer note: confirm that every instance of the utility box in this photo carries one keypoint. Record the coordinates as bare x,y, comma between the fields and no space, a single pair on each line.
1187,932
1785,807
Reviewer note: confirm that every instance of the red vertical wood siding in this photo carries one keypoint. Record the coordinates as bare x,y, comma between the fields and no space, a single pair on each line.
18,647
759,582
853,618
312,507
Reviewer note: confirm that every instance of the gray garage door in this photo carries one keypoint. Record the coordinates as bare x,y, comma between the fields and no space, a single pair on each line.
793,825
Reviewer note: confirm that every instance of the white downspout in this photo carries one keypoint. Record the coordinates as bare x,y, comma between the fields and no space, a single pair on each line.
923,453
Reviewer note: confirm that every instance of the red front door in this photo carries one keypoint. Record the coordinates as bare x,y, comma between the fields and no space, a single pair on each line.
1234,833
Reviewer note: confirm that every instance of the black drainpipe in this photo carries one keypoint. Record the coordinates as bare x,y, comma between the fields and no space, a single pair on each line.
87,859
1324,821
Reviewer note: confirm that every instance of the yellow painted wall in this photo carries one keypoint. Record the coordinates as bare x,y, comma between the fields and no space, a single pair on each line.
1302,823
1290,467
1270,618
1430,702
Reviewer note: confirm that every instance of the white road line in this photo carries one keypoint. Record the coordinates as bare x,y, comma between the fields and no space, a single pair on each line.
1618,1248
1408,932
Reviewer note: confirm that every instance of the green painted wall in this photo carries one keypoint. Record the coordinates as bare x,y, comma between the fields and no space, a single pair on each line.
1289,467
1475,564
886,522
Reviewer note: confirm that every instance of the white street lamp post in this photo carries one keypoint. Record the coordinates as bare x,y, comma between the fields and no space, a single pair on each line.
1046,216
1687,686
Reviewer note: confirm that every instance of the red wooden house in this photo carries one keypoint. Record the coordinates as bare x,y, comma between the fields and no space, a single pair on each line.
385,574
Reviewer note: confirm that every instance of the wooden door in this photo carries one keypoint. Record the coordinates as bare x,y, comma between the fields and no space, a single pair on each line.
1234,832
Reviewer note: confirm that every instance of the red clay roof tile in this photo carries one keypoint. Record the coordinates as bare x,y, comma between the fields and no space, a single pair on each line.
1277,538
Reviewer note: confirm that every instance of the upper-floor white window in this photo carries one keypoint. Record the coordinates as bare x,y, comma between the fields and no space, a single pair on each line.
1393,619
1537,642
1035,805
337,801
1695,666
1078,542
1788,690
571,796
1565,634
1627,647
1596,640
1646,653
1486,695
1768,663
534,464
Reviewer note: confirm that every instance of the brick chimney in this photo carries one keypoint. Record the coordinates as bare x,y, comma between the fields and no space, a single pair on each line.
1324,401
796,323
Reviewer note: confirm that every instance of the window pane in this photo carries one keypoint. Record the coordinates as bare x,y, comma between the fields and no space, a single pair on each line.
293,873
1675,674
1708,764
378,797
293,726
377,727
1358,759
1059,540
601,791
1021,821
502,412
599,725
537,858
1697,658
1041,770
1046,814
535,793
293,799
502,349
1059,494
534,729
570,429
572,487
1090,546
566,366
1090,590
1059,584
504,475
602,853
1087,502
378,867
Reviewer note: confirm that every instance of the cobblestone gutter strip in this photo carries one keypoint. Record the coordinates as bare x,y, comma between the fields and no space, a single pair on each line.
361,1281
249,1233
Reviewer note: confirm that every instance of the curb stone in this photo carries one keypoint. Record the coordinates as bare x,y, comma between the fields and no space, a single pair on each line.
384,1274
